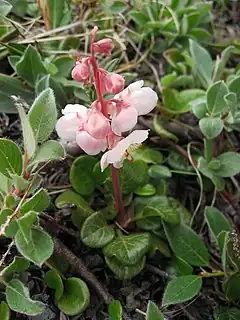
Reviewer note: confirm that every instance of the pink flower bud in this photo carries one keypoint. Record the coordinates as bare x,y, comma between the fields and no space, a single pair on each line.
103,46
113,83
81,72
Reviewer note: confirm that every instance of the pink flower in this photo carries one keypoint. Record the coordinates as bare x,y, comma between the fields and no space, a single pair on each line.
136,100
97,125
73,118
103,46
89,144
122,149
81,72
78,123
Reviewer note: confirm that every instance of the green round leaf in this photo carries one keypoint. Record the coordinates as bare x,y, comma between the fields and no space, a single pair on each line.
81,175
232,287
128,249
4,311
38,249
133,175
153,313
157,243
181,289
19,300
75,298
146,190
186,244
54,281
158,206
96,233
122,271
211,127
10,158
159,171
225,313
177,162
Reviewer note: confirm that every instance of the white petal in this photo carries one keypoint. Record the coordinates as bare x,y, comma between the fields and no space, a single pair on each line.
124,121
135,85
66,127
104,161
143,100
75,108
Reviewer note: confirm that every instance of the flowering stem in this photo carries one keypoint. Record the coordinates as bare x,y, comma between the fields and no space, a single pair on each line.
117,195
115,175
97,81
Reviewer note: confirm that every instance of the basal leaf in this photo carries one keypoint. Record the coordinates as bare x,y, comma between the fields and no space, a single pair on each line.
81,175
122,271
96,233
128,249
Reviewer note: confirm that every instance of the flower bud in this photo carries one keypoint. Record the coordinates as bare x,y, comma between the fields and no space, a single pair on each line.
81,72
103,46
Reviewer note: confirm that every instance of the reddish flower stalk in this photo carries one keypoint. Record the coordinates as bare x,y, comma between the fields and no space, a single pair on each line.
114,171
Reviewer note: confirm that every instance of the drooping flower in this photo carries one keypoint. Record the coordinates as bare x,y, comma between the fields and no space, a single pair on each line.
73,118
103,46
81,71
73,126
122,149
97,125
89,144
136,101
